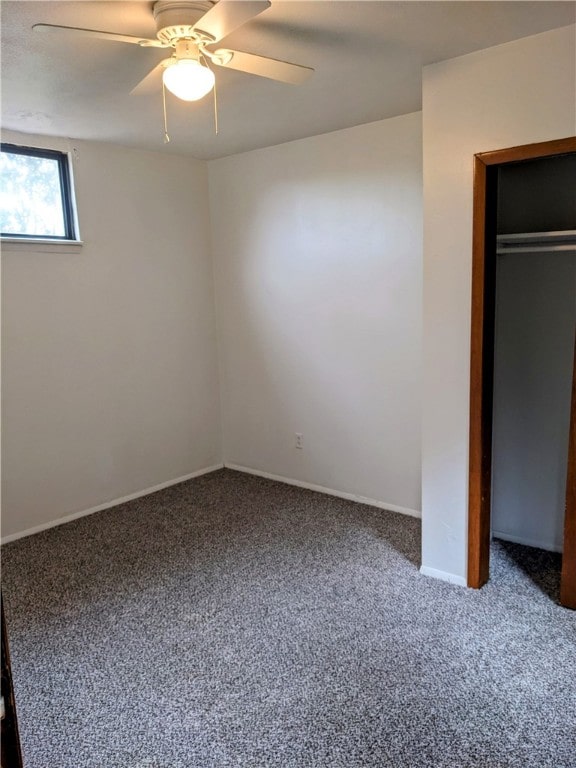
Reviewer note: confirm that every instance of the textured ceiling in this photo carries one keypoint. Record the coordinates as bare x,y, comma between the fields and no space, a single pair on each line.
368,58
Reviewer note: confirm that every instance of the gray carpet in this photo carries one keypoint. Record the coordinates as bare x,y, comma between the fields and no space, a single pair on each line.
234,621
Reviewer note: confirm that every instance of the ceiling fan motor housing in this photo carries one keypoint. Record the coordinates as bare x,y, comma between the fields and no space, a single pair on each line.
175,19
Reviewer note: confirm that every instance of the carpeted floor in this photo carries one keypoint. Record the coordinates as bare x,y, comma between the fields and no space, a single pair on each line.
234,621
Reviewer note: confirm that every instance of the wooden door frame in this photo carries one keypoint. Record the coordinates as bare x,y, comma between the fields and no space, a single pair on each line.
568,580
482,344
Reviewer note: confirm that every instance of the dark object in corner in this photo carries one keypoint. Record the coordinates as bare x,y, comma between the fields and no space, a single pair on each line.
11,756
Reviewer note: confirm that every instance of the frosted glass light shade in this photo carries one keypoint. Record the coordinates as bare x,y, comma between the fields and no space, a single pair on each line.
188,79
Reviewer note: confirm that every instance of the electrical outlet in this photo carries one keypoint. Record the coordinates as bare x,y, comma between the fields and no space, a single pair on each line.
299,442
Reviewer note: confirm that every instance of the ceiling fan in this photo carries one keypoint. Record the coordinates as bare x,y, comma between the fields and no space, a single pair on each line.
191,27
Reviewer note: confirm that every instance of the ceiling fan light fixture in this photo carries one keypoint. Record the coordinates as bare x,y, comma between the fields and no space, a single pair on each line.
188,79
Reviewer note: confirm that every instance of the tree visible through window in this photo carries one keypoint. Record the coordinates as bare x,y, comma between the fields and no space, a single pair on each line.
35,194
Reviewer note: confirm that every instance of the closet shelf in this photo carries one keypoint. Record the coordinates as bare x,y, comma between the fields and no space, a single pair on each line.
534,242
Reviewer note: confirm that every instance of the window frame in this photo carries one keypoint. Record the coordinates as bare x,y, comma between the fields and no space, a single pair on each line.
66,194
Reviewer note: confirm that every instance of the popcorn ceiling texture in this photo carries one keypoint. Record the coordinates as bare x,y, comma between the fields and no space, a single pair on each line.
235,621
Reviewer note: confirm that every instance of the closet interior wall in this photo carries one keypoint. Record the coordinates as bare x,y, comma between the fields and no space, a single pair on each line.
533,351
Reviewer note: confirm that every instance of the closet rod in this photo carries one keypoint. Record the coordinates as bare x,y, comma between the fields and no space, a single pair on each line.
534,242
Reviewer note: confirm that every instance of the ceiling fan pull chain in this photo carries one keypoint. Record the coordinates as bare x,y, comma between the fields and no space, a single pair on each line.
166,135
215,109
206,60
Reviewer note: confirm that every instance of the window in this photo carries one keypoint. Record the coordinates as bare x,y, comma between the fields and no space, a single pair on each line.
35,194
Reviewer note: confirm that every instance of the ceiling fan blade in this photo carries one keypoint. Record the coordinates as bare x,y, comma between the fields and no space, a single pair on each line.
152,81
263,66
97,33
228,15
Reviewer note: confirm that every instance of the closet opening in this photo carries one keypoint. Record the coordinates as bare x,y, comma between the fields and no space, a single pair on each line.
522,409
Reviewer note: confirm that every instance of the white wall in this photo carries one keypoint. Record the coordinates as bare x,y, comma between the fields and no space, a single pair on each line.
109,365
513,94
317,248
534,350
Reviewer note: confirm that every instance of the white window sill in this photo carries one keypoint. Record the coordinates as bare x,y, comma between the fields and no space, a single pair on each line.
39,245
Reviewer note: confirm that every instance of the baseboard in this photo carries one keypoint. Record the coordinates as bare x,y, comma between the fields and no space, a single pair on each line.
328,491
527,542
452,578
108,504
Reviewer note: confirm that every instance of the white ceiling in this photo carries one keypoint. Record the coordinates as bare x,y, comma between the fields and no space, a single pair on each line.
368,57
